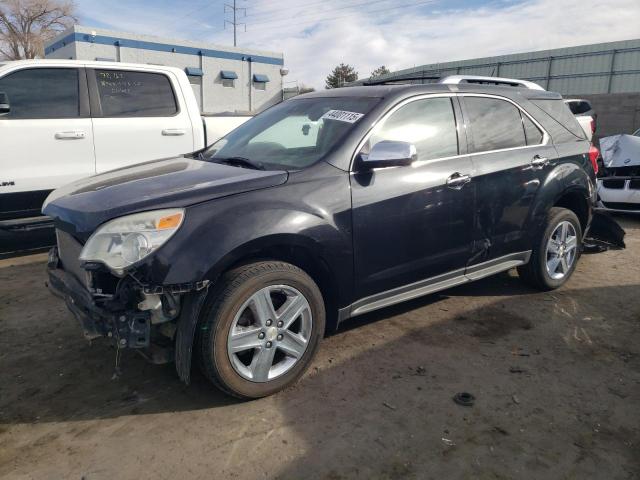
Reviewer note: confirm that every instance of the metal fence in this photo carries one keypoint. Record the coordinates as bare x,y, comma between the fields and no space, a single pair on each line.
588,69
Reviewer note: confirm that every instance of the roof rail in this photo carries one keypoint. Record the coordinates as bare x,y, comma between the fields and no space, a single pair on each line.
394,80
511,82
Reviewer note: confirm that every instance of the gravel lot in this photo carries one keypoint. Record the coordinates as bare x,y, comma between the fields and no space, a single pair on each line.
556,378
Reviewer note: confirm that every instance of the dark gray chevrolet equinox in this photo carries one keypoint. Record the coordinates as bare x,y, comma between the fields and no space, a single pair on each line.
324,207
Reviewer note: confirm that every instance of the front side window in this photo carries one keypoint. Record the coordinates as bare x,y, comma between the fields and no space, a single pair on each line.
135,94
293,134
42,93
495,124
429,124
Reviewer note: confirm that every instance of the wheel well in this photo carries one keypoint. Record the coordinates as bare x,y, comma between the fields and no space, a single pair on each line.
313,266
579,205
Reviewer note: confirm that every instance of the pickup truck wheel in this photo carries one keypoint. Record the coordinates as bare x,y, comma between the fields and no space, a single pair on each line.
556,251
260,328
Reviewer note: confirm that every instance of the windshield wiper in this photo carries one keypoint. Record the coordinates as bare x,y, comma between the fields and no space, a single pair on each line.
240,162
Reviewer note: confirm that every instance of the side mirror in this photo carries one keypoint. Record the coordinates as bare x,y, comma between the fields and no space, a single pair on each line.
389,153
5,108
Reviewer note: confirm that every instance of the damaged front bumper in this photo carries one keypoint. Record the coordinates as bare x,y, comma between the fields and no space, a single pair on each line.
129,313
128,329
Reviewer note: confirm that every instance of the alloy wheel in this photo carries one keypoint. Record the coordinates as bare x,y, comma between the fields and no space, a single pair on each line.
270,333
562,248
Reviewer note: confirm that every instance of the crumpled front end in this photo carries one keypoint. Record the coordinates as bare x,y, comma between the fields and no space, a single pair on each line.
126,311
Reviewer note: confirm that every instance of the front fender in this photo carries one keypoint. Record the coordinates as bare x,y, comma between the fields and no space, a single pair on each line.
314,215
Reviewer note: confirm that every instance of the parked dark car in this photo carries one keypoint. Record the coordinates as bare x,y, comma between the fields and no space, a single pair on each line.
324,207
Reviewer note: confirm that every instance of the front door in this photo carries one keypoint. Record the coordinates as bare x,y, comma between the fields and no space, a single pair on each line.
137,117
46,139
413,223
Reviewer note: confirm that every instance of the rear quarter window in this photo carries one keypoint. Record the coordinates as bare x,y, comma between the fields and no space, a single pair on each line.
560,114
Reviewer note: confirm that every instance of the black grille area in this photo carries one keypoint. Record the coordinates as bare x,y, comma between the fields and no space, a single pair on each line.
634,184
614,183
622,205
69,250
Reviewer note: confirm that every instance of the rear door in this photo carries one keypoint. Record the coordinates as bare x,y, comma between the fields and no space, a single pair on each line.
511,156
46,140
411,223
137,116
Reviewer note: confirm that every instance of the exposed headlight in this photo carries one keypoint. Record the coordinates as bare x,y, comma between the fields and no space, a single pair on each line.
126,240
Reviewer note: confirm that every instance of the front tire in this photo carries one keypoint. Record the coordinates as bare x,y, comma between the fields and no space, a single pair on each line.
556,251
260,328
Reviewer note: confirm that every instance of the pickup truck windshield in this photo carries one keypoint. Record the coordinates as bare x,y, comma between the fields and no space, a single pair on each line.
292,135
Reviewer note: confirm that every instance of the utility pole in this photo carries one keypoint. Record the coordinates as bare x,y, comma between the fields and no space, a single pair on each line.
234,10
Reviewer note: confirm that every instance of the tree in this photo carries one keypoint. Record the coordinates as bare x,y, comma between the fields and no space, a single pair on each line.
340,75
378,72
26,25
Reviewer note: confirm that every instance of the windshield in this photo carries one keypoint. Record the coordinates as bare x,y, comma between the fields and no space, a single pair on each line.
291,135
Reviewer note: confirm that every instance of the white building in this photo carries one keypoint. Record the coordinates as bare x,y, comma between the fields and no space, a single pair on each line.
224,79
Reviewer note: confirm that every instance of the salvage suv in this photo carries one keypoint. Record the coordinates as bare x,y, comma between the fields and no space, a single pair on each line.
324,207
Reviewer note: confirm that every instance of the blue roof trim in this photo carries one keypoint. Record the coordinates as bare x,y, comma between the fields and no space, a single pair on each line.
260,78
194,71
160,47
228,75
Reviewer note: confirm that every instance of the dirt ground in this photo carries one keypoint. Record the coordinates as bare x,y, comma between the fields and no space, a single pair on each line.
556,378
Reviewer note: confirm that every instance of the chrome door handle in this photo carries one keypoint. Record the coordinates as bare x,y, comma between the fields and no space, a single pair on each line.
173,132
457,180
539,162
74,135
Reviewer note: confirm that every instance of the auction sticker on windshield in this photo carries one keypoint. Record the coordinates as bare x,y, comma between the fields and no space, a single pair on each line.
343,116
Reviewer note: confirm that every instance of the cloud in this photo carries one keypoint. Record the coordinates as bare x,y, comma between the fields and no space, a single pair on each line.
385,32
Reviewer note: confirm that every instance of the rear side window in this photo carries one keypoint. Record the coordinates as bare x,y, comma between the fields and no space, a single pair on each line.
561,114
42,93
135,94
429,124
495,124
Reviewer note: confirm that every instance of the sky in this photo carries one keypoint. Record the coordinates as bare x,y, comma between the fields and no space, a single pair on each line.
316,35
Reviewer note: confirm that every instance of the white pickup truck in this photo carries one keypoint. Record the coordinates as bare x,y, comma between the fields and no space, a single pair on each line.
62,120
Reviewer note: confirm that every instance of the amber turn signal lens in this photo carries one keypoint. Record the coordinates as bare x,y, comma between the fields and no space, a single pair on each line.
170,221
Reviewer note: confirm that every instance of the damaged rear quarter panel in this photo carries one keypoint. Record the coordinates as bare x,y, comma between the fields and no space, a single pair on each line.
568,177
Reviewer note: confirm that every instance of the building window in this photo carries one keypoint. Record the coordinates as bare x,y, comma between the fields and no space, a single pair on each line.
194,72
260,81
228,78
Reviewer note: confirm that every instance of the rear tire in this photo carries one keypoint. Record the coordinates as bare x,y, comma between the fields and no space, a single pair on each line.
556,251
260,329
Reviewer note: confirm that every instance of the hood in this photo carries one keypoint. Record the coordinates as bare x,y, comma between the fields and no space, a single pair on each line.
620,151
80,207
